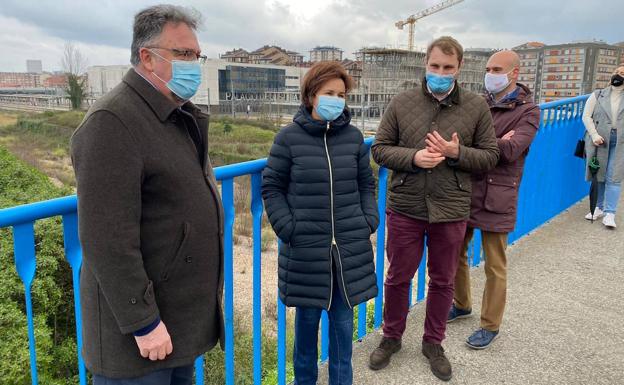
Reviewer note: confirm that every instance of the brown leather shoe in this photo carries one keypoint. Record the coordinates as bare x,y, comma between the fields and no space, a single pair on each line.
380,357
440,365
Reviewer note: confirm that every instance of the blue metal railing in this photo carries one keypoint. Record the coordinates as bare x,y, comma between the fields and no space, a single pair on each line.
553,181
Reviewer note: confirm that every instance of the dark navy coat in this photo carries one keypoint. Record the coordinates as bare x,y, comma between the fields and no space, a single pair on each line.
319,191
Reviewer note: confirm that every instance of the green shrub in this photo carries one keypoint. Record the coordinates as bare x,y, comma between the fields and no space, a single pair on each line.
55,328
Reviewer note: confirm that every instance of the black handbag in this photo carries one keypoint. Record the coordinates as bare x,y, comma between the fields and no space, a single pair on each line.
579,151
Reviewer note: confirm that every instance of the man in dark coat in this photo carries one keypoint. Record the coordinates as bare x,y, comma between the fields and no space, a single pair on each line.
432,138
150,216
495,194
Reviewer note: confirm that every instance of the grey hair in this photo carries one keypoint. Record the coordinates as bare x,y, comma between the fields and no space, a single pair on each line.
150,22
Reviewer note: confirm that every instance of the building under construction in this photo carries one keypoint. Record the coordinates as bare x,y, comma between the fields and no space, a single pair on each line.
387,72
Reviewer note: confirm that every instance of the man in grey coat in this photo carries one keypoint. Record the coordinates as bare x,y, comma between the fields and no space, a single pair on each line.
150,216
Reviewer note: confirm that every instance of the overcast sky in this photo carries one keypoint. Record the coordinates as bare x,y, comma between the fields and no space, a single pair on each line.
103,29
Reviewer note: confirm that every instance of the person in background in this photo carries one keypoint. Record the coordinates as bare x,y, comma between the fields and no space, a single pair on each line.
319,192
495,195
603,117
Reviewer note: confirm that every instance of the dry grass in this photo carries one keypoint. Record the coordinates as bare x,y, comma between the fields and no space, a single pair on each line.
42,141
8,119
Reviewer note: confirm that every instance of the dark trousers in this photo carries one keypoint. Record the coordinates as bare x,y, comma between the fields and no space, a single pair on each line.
405,248
182,375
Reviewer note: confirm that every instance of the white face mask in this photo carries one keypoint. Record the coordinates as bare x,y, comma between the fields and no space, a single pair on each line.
495,83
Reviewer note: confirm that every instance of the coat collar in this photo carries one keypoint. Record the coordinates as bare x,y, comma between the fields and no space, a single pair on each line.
453,98
163,108
316,127
521,95
603,98
159,103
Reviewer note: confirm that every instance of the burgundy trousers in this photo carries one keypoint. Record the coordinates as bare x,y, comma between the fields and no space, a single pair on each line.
406,237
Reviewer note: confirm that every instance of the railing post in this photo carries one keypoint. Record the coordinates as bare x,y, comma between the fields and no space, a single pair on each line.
422,274
476,248
199,370
381,244
362,320
256,212
227,192
324,336
281,335
24,248
73,254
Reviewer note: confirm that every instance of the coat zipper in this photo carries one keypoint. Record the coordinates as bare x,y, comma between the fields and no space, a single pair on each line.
334,243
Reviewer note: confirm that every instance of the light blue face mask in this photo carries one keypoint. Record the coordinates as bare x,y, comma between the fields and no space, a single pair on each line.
185,77
439,84
329,108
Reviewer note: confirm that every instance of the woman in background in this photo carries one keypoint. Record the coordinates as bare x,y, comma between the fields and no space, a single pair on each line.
603,117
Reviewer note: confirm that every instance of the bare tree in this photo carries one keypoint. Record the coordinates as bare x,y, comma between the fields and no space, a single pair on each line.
74,65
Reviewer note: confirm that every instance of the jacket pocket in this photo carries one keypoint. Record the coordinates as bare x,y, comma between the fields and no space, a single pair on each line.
398,179
293,230
501,194
463,181
176,255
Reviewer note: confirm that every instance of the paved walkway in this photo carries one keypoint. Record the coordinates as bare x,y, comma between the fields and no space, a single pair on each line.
564,322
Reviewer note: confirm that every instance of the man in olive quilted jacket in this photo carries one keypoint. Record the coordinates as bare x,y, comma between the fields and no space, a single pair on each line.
432,138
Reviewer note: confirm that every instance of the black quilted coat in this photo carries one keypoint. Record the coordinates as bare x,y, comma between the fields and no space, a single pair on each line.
319,191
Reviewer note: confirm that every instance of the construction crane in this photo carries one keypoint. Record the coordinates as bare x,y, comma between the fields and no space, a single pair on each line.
429,11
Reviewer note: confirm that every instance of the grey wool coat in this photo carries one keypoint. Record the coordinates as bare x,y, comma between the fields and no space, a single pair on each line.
150,224
605,120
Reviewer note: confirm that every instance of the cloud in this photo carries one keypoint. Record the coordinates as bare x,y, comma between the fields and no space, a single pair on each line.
30,30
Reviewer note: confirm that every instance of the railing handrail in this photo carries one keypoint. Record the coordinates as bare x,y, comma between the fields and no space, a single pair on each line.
563,102
31,212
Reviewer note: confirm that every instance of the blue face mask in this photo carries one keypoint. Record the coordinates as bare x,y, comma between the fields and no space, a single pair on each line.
185,77
329,108
439,84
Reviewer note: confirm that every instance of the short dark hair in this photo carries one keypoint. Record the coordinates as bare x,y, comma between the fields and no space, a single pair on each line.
448,45
318,75
150,22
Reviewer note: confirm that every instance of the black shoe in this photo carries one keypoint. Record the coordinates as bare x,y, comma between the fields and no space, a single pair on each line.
440,365
380,357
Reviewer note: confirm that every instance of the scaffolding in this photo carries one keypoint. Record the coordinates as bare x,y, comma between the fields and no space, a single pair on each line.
387,72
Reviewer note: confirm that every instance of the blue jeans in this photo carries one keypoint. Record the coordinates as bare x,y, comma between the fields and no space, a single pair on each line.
609,191
182,375
305,355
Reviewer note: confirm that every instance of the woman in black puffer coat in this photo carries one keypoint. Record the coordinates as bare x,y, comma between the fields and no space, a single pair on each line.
319,192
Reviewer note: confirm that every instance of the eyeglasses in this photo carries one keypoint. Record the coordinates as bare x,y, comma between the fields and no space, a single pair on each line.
184,54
